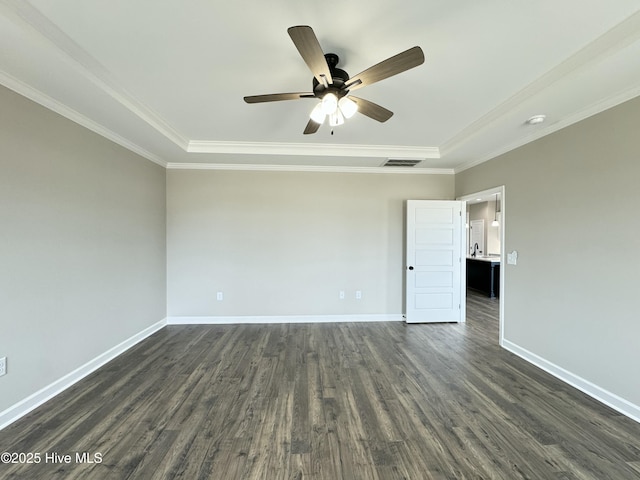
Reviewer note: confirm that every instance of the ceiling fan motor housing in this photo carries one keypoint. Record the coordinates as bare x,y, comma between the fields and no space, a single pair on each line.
339,78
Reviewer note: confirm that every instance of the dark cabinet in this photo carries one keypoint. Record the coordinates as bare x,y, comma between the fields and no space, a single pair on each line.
483,275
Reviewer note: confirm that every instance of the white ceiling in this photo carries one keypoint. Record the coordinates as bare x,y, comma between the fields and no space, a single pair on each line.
167,79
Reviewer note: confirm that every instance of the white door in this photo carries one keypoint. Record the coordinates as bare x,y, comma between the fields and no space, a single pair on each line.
435,263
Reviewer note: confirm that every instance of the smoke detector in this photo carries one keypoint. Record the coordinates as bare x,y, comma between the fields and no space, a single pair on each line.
536,119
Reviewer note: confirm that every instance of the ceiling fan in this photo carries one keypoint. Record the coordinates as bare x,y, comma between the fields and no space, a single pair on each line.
332,85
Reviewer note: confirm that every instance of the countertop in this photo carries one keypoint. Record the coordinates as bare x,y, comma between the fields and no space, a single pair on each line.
491,259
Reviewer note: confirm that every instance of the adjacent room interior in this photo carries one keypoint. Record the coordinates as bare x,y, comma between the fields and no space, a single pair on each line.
177,262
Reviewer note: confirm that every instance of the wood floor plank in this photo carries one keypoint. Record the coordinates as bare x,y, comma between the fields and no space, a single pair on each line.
327,401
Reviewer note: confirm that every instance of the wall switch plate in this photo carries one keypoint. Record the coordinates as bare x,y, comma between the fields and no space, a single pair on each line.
358,295
512,258
3,366
341,294
219,296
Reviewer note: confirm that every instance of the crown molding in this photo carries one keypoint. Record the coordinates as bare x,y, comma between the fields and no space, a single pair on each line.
620,36
85,64
37,24
312,149
40,98
98,75
309,168
583,114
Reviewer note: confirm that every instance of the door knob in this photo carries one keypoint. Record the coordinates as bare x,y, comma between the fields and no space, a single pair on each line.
410,267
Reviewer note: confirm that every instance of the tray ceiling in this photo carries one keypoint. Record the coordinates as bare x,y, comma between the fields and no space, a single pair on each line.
167,79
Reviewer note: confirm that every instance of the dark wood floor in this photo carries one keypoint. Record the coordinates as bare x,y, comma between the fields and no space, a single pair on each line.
331,401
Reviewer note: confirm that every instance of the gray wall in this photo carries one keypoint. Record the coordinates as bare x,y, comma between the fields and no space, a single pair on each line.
82,246
286,243
572,201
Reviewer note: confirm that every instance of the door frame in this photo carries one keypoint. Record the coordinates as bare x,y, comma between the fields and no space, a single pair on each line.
503,257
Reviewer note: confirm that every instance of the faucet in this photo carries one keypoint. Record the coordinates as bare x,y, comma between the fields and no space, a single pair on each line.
475,249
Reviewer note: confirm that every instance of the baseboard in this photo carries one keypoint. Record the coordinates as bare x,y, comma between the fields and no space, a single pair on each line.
23,407
612,400
240,319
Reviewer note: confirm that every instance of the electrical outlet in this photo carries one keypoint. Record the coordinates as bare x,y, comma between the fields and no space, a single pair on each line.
3,366
220,296
358,295
341,294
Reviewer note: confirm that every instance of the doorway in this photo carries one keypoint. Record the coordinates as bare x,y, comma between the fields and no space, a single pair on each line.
496,194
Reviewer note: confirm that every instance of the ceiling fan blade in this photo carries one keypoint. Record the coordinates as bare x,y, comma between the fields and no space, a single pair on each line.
307,44
276,97
387,68
312,127
372,110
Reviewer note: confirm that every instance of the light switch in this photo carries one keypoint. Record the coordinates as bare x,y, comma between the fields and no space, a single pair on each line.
512,258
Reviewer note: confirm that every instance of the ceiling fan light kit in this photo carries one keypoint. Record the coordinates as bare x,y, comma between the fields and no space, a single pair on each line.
336,110
336,118
318,114
329,103
332,85
348,107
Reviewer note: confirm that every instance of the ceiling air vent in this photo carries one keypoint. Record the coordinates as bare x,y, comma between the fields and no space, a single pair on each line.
402,162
